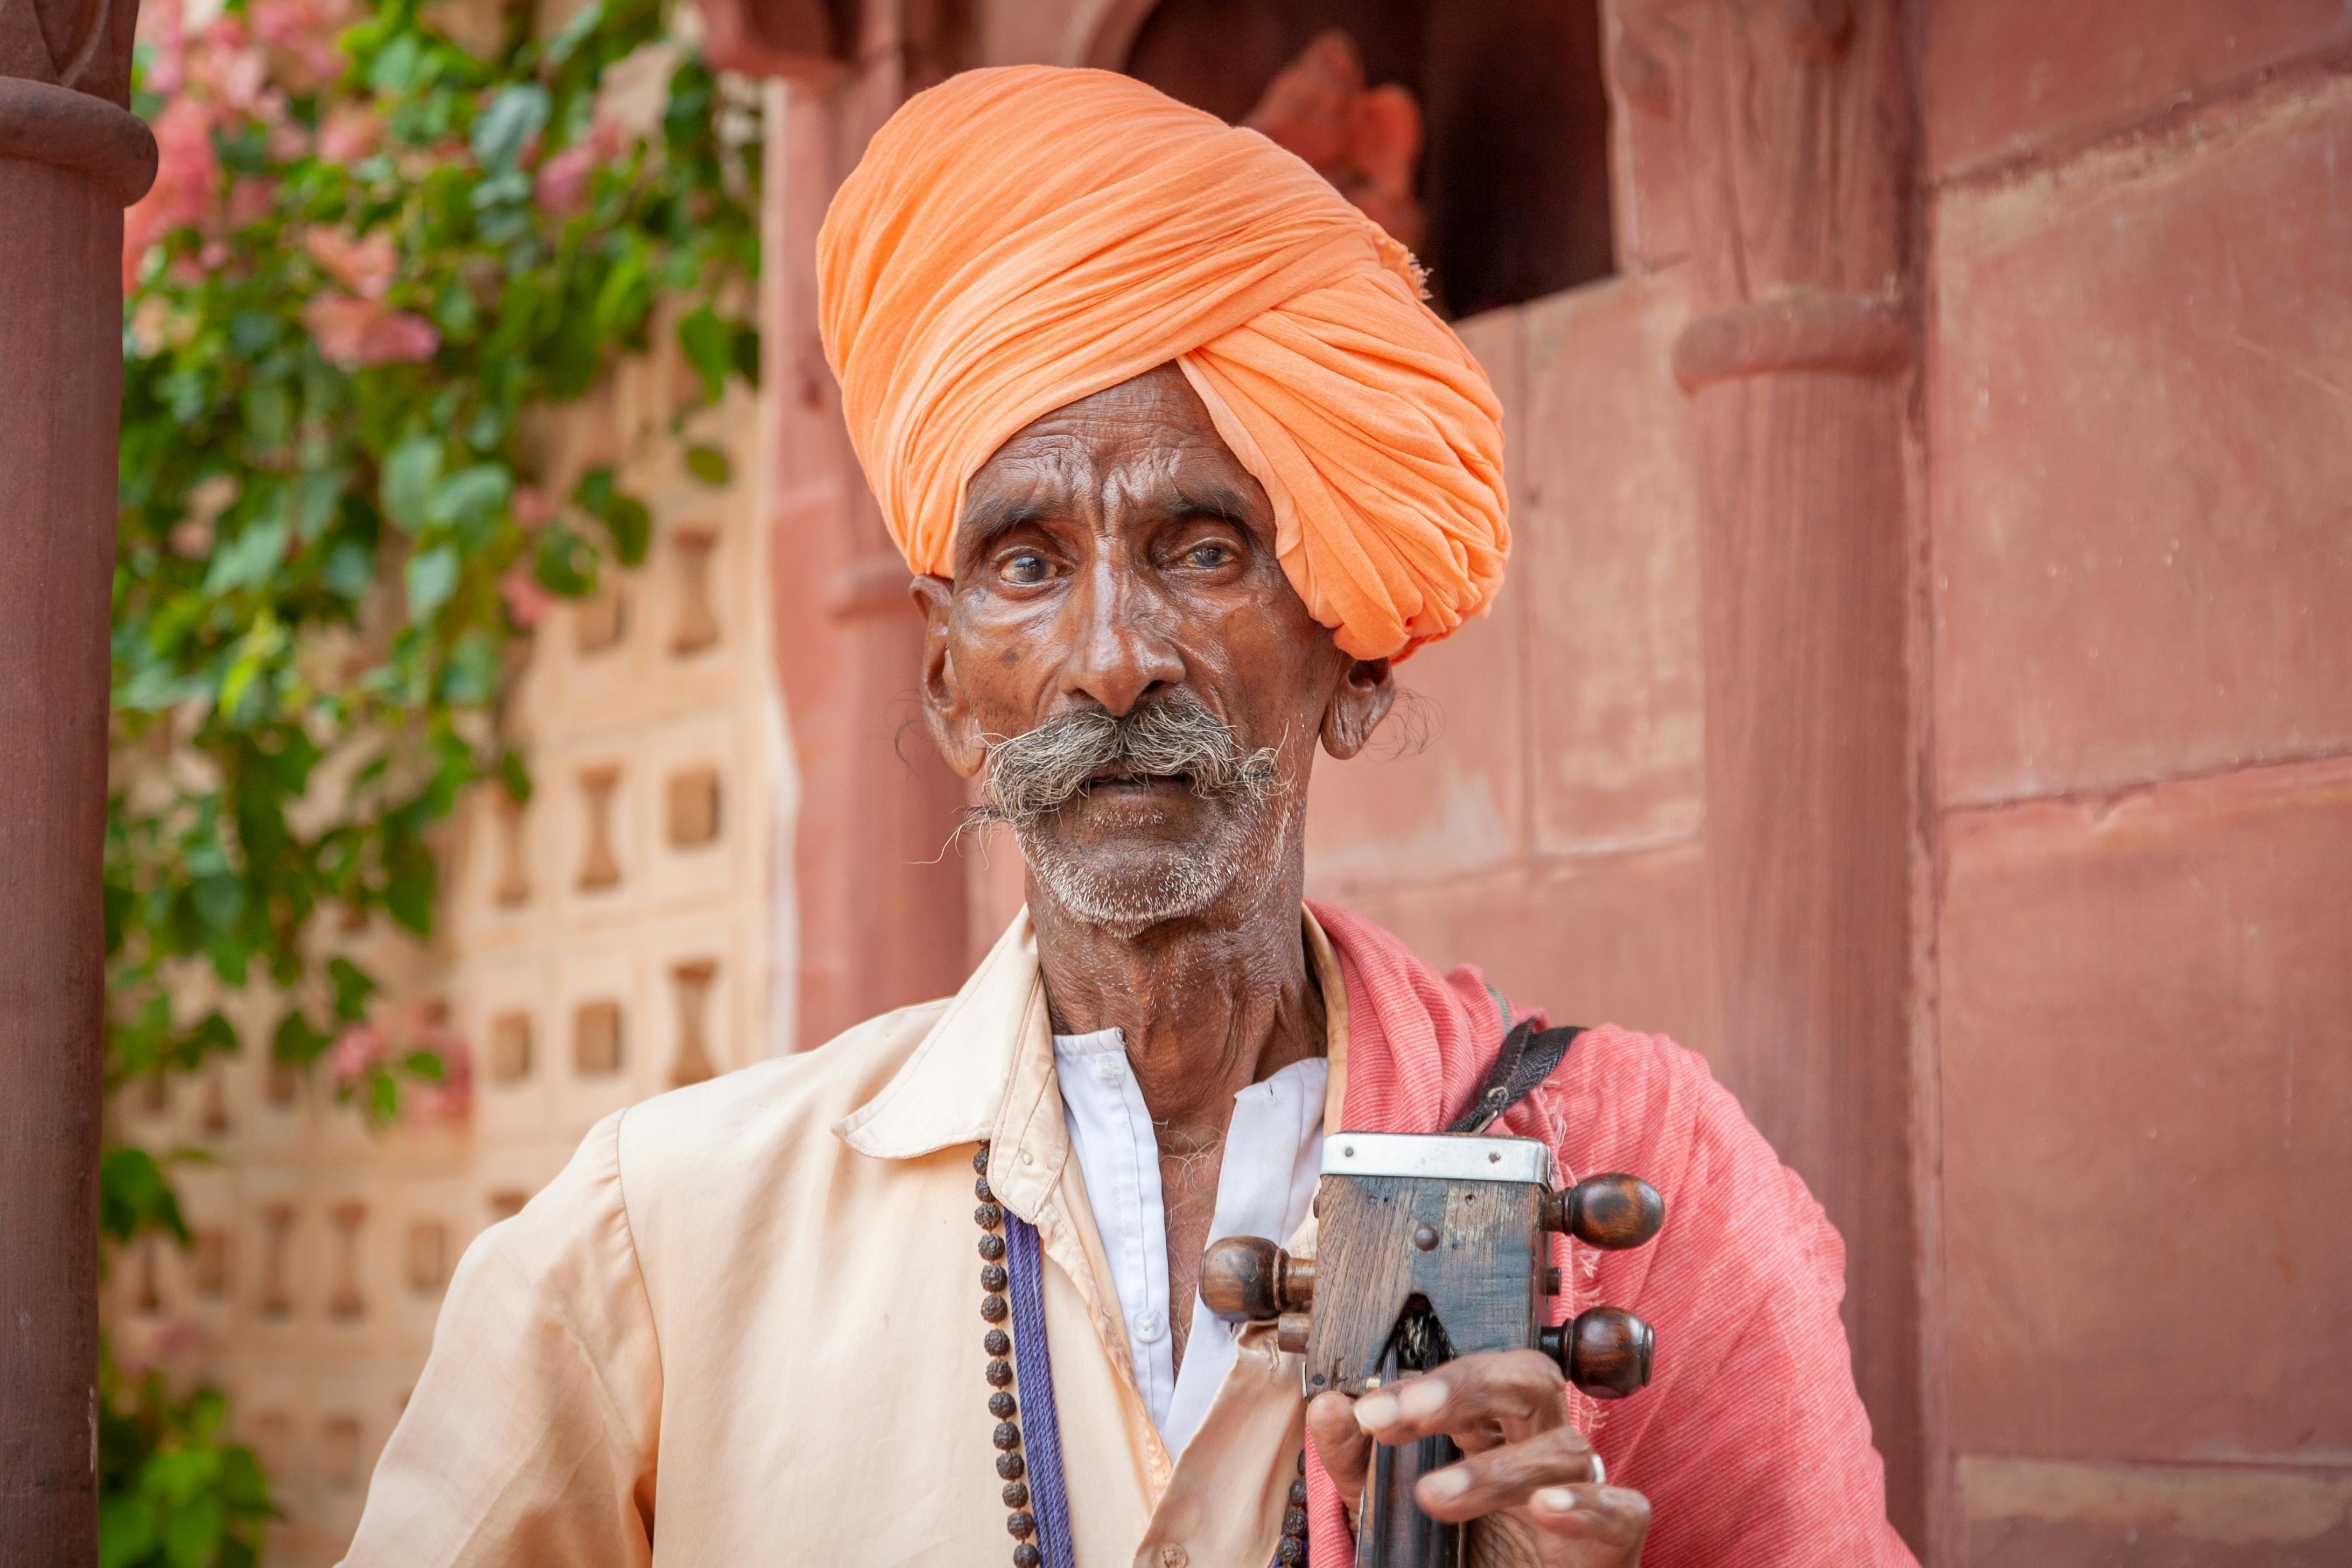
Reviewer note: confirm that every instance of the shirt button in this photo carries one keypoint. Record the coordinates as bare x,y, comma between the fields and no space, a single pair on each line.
1106,1069
1149,1328
1172,1556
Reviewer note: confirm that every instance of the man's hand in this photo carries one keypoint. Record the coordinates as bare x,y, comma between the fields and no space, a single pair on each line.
1529,1477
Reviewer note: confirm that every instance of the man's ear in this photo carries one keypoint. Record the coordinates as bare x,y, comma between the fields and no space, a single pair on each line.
1366,692
946,712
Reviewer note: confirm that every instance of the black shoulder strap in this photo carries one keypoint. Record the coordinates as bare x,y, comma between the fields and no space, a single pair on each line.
1528,1058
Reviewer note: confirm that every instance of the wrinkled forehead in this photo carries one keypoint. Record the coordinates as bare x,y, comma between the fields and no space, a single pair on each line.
1142,450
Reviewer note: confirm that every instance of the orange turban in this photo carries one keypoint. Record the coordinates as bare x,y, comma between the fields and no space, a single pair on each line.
1016,239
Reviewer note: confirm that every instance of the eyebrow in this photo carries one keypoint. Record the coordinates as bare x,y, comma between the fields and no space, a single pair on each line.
985,521
1217,500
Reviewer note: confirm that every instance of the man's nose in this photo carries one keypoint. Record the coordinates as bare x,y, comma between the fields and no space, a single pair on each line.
1120,653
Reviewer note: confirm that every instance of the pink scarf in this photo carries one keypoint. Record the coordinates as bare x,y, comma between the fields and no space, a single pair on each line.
1750,1443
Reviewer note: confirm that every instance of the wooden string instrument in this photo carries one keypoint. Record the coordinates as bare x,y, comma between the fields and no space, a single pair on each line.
1430,1247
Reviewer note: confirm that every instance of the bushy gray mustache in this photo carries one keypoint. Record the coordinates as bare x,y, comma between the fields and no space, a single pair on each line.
1045,769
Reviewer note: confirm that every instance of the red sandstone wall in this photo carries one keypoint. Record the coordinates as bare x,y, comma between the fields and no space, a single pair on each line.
1550,828
2138,421
2136,998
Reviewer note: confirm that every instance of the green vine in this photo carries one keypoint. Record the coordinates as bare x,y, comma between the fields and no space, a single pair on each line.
372,255
332,528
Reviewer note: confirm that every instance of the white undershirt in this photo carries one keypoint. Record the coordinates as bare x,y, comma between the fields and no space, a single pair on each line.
1265,1185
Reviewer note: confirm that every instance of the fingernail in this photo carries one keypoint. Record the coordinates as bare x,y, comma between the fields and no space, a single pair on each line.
1375,1411
1421,1396
1554,1499
1444,1485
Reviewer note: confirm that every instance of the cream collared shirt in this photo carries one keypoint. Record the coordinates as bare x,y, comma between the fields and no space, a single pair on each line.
743,1327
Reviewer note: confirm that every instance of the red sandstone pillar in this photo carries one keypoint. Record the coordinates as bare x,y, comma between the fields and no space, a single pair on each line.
881,902
1795,133
70,158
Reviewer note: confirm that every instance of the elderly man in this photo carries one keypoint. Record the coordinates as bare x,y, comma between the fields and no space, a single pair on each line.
1182,463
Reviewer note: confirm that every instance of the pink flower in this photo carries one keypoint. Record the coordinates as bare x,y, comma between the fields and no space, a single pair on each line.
226,65
354,334
350,133
532,507
450,1099
301,36
187,181
357,1052
365,267
526,602
562,184
160,25
250,199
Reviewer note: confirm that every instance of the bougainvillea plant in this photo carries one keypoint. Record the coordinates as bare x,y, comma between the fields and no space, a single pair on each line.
371,255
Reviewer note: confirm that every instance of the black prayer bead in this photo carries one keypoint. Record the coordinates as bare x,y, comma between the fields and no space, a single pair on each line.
1298,1494
1292,1550
993,1309
1000,1405
1026,1555
1011,1467
1008,1437
980,1190
1022,1524
1000,1372
994,1278
1295,1523
992,1246
1016,1494
996,1341
980,1160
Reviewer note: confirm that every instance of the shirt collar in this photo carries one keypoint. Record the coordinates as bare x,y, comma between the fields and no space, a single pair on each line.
985,1071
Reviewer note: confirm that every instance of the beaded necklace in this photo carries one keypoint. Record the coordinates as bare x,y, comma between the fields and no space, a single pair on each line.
1012,1291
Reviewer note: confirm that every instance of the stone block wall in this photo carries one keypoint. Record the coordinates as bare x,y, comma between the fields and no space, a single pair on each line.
2138,435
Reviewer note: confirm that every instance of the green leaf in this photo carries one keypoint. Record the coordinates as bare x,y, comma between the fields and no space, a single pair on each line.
316,503
219,898
126,1530
471,497
709,464
632,528
431,576
624,517
425,1065
248,561
513,118
472,672
626,295
192,1537
563,564
349,570
410,474
709,345
353,987
295,1042
593,494
516,775
584,23
133,1196
396,66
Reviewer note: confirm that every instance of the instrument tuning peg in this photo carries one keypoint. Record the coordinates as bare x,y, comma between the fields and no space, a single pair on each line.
1248,1279
1612,1211
1606,1351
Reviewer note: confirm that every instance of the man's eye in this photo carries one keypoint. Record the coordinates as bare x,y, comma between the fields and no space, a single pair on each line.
1207,556
1025,568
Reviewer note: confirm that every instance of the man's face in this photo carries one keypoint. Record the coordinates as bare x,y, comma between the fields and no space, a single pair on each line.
1123,655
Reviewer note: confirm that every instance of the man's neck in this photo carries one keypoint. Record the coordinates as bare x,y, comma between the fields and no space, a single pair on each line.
1207,1006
